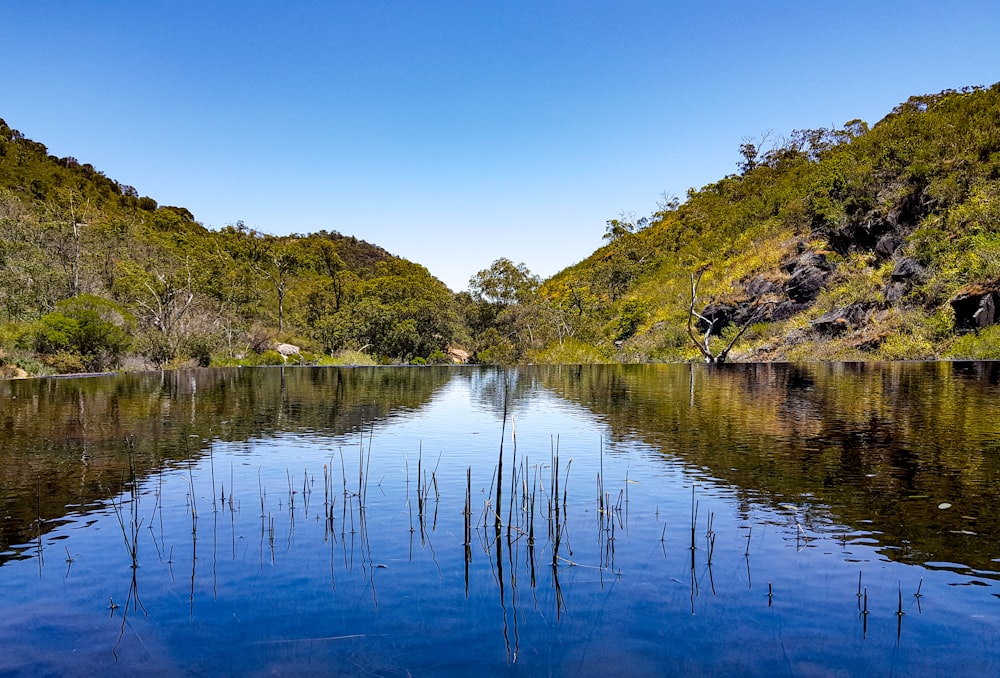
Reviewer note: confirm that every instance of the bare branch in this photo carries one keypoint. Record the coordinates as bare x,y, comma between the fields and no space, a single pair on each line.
760,307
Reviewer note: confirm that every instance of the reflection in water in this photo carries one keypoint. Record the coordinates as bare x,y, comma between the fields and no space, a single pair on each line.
887,443
74,427
473,521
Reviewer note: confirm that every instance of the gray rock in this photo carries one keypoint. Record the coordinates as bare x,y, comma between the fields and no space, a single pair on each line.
909,269
975,309
287,349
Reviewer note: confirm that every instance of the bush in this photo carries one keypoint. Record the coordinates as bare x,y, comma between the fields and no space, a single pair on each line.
349,358
65,362
85,333
199,348
905,346
570,352
439,357
156,347
982,345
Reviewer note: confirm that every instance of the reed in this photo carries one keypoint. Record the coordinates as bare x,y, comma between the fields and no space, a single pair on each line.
420,498
864,614
306,491
468,506
600,478
409,504
261,492
211,466
566,484
190,466
694,516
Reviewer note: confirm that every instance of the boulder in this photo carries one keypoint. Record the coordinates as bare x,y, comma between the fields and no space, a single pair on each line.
887,245
976,307
841,319
906,273
805,284
909,269
807,275
760,286
287,350
785,310
805,259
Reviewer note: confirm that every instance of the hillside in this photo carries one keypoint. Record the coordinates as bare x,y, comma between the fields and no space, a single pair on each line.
865,242
839,244
94,277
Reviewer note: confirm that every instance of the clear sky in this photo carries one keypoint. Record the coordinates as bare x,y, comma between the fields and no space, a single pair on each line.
454,133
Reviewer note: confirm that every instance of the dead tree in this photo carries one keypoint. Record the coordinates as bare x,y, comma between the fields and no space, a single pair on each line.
760,306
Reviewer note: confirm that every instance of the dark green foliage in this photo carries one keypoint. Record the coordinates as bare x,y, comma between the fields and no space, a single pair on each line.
197,296
854,240
86,332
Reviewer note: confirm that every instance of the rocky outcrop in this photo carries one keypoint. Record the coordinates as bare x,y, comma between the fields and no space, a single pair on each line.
458,355
12,372
287,350
807,274
795,289
976,307
906,273
872,230
840,320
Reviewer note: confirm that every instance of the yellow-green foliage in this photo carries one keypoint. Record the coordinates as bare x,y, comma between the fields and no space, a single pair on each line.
570,352
857,278
983,345
928,174
351,358
902,345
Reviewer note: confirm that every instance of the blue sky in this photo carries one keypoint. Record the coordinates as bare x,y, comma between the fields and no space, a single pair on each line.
454,133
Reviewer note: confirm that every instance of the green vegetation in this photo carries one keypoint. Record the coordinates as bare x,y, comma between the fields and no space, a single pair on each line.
857,243
94,277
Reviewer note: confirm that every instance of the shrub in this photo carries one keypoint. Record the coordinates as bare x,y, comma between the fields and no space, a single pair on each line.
439,357
349,358
982,345
86,332
200,348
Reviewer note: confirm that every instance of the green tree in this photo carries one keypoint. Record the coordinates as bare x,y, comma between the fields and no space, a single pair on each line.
278,261
504,284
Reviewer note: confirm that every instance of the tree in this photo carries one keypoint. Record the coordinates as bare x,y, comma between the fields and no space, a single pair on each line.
65,222
626,224
278,261
504,284
162,294
760,306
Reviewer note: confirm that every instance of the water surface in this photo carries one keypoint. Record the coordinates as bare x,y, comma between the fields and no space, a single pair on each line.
654,520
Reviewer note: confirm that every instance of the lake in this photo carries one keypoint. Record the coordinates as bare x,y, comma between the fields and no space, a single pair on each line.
646,520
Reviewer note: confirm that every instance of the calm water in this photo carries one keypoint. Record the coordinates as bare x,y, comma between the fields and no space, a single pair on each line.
629,520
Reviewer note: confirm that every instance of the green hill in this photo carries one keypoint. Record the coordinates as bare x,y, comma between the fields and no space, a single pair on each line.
858,243
94,277
839,244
